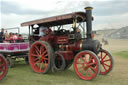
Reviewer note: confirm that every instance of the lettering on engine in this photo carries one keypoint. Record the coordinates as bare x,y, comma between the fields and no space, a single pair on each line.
62,39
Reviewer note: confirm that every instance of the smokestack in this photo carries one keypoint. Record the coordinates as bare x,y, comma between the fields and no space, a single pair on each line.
89,21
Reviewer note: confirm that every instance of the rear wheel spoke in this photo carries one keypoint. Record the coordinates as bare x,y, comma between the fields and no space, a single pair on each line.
104,67
37,49
81,67
104,56
79,63
45,58
107,60
37,52
40,66
41,49
44,53
87,73
107,65
82,59
90,60
83,70
36,62
94,69
90,64
33,54
36,59
43,64
90,72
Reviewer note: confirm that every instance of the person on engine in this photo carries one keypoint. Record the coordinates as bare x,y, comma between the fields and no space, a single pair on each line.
43,31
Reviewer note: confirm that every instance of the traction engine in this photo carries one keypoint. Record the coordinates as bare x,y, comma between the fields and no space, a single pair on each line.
61,48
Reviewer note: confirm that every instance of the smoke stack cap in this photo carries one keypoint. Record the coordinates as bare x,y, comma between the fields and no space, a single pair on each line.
88,8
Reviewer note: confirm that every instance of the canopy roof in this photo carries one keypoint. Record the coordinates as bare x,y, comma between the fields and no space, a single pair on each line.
58,20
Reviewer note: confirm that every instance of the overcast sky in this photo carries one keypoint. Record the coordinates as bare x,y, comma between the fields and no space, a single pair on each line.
107,13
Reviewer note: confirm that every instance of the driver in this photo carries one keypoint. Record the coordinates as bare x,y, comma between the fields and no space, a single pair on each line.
43,31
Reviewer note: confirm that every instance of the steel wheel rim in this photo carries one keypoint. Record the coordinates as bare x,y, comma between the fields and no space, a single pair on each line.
106,62
3,67
39,57
88,71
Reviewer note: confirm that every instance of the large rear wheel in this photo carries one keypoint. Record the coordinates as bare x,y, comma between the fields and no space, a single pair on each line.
3,67
86,65
106,61
40,56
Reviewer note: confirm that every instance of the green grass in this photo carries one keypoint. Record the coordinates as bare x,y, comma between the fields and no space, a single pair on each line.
122,54
22,74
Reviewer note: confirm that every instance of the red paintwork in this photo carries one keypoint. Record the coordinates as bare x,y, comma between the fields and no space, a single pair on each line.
49,38
62,40
58,20
75,46
71,47
3,67
68,55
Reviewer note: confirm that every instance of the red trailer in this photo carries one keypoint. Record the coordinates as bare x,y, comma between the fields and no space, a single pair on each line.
14,48
58,48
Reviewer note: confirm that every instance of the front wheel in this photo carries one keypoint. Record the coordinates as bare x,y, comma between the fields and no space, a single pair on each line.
86,65
106,61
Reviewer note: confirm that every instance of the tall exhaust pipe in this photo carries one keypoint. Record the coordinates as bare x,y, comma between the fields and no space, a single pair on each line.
89,22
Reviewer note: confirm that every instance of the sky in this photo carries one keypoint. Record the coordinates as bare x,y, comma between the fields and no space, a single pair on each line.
107,14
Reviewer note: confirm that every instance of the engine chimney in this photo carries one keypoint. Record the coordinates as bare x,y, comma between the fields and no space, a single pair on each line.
89,22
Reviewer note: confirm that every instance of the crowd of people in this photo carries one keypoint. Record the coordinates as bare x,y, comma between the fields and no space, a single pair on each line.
9,37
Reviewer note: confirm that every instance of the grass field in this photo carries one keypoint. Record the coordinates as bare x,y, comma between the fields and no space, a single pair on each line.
123,54
22,73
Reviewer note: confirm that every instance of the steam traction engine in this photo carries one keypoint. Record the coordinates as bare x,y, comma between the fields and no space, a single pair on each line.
58,49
